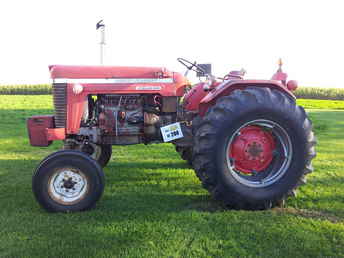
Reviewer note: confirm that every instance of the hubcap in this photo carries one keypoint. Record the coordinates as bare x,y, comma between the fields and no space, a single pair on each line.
68,186
252,149
259,153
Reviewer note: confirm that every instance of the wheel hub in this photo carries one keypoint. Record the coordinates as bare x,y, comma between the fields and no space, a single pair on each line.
68,183
252,150
68,186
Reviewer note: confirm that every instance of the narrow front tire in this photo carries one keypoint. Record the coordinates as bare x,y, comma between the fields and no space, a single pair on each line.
68,181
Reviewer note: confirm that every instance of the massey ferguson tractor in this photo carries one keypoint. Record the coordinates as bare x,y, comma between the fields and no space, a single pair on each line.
249,143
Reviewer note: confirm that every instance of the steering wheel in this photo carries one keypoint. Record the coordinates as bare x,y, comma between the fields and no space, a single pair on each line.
191,66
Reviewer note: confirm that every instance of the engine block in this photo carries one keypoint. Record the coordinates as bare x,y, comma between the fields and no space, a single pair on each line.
121,115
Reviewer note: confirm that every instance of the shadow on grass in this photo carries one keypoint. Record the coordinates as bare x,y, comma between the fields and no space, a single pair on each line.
143,185
129,186
138,165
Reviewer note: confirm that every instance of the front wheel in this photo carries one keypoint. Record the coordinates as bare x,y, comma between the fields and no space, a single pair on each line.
254,148
68,181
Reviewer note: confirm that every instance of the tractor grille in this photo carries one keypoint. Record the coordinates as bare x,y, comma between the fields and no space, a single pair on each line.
60,104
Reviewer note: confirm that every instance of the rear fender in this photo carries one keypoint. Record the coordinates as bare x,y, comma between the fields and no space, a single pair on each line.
193,98
226,88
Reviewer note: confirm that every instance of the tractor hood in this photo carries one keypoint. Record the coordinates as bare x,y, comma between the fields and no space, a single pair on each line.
106,72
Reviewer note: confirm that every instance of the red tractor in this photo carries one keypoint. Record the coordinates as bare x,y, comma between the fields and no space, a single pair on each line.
247,140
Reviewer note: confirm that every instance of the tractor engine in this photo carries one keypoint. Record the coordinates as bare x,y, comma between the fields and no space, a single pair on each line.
120,115
126,119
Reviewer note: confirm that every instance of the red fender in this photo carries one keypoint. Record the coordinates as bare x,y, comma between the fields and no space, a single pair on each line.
226,88
193,97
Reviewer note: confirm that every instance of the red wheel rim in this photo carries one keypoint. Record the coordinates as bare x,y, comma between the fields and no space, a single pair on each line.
252,150
259,153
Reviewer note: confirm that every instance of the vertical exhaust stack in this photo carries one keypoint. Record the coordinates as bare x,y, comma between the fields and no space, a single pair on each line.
101,27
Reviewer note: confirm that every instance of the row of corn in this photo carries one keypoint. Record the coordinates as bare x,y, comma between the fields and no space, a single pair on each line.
39,89
320,93
301,92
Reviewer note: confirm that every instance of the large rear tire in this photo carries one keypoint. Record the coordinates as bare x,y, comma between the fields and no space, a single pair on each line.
185,153
68,181
254,148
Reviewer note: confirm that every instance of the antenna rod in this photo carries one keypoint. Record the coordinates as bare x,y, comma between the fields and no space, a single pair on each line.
101,27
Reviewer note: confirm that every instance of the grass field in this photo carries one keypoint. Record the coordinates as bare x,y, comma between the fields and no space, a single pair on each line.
321,104
154,206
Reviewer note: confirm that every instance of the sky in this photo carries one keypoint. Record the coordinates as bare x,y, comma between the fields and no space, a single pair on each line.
307,35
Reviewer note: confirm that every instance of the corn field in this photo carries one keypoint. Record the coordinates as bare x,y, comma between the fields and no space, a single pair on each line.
38,89
302,92
320,93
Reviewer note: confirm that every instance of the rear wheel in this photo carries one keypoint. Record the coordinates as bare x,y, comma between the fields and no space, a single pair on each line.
100,153
68,181
254,148
185,153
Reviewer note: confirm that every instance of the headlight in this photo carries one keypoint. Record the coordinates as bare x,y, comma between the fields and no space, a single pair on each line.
77,89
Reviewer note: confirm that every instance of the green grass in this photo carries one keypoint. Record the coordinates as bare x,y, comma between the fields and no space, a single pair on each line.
154,206
320,125
321,104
